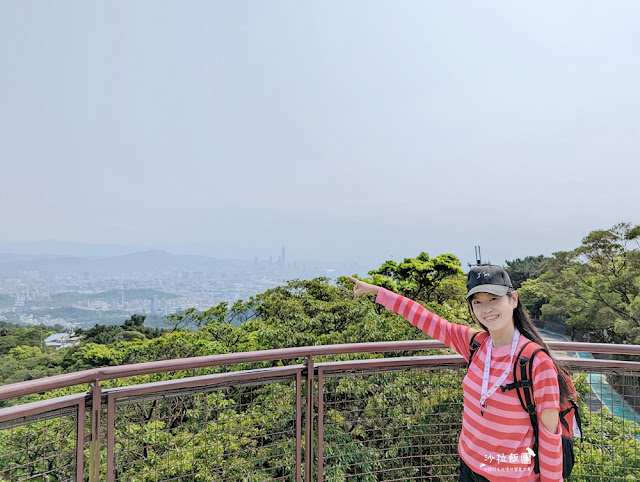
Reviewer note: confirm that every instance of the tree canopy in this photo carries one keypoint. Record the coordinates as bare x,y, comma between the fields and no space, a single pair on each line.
521,270
596,286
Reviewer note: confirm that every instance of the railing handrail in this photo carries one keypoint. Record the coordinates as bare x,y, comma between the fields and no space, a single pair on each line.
136,369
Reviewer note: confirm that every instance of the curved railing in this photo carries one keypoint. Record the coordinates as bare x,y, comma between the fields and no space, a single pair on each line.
290,414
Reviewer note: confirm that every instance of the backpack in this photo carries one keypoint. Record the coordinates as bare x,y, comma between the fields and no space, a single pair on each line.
523,383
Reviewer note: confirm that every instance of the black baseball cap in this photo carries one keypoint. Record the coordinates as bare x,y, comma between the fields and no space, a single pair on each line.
488,278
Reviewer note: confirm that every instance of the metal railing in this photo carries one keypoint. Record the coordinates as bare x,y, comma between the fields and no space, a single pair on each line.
288,414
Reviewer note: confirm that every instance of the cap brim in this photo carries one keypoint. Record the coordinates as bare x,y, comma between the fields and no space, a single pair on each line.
498,290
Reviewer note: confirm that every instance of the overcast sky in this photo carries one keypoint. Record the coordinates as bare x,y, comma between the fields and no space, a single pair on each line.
357,130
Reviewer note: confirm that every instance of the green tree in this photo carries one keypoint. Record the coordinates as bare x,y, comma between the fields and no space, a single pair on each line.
521,270
14,335
303,313
597,285
423,278
135,321
101,334
133,328
25,362
222,323
533,297
90,355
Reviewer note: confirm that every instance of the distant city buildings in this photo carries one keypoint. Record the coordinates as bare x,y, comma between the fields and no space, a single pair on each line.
85,298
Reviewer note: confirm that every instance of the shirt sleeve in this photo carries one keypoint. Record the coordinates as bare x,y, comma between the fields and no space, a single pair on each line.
451,334
547,395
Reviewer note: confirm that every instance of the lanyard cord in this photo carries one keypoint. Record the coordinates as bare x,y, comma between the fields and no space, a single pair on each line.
484,394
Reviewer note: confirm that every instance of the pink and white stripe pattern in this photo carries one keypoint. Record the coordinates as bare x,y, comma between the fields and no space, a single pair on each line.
499,444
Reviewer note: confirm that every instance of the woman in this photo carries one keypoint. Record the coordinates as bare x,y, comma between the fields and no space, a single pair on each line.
496,441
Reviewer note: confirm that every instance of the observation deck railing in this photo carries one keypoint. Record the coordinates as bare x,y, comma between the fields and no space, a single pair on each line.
336,412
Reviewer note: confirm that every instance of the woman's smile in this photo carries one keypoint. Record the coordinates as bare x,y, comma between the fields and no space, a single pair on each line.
495,313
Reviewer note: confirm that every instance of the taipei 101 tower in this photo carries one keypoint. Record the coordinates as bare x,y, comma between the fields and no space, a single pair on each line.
282,259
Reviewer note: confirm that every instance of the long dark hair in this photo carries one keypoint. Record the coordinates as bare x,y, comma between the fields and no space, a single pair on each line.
525,326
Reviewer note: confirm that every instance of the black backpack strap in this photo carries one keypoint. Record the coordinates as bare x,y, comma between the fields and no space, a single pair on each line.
523,384
562,414
576,414
475,343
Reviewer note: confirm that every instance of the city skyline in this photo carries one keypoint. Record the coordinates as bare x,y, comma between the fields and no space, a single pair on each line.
53,250
59,251
82,292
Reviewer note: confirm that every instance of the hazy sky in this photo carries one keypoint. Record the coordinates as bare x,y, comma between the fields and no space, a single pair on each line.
343,129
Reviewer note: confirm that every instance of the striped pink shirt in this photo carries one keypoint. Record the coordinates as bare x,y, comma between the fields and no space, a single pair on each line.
499,444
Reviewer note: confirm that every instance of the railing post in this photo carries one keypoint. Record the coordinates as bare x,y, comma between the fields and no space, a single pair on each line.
320,423
308,433
80,441
111,409
298,427
94,462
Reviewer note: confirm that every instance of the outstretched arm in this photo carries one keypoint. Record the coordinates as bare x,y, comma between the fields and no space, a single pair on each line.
451,334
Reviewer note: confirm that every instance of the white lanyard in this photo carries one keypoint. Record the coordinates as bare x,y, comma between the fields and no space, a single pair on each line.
484,394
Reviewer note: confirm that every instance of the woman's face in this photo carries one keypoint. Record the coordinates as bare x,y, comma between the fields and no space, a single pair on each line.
494,312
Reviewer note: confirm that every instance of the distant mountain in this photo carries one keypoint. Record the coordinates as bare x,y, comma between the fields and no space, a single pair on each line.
7,257
60,248
159,261
144,262
70,297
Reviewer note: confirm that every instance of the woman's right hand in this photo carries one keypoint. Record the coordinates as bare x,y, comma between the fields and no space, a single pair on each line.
361,288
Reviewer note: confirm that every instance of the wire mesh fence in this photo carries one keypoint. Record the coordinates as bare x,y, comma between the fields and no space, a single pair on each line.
610,445
399,425
228,432
41,447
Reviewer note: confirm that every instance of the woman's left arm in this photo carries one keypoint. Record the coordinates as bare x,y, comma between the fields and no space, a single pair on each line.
549,418
549,446
547,398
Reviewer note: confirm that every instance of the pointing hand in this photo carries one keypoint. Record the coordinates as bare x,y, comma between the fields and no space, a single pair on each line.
361,288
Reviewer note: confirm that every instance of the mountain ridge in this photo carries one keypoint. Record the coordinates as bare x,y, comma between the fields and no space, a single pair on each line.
149,261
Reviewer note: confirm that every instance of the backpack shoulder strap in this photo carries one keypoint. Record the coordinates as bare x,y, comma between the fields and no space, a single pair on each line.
476,341
572,405
523,374
523,384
